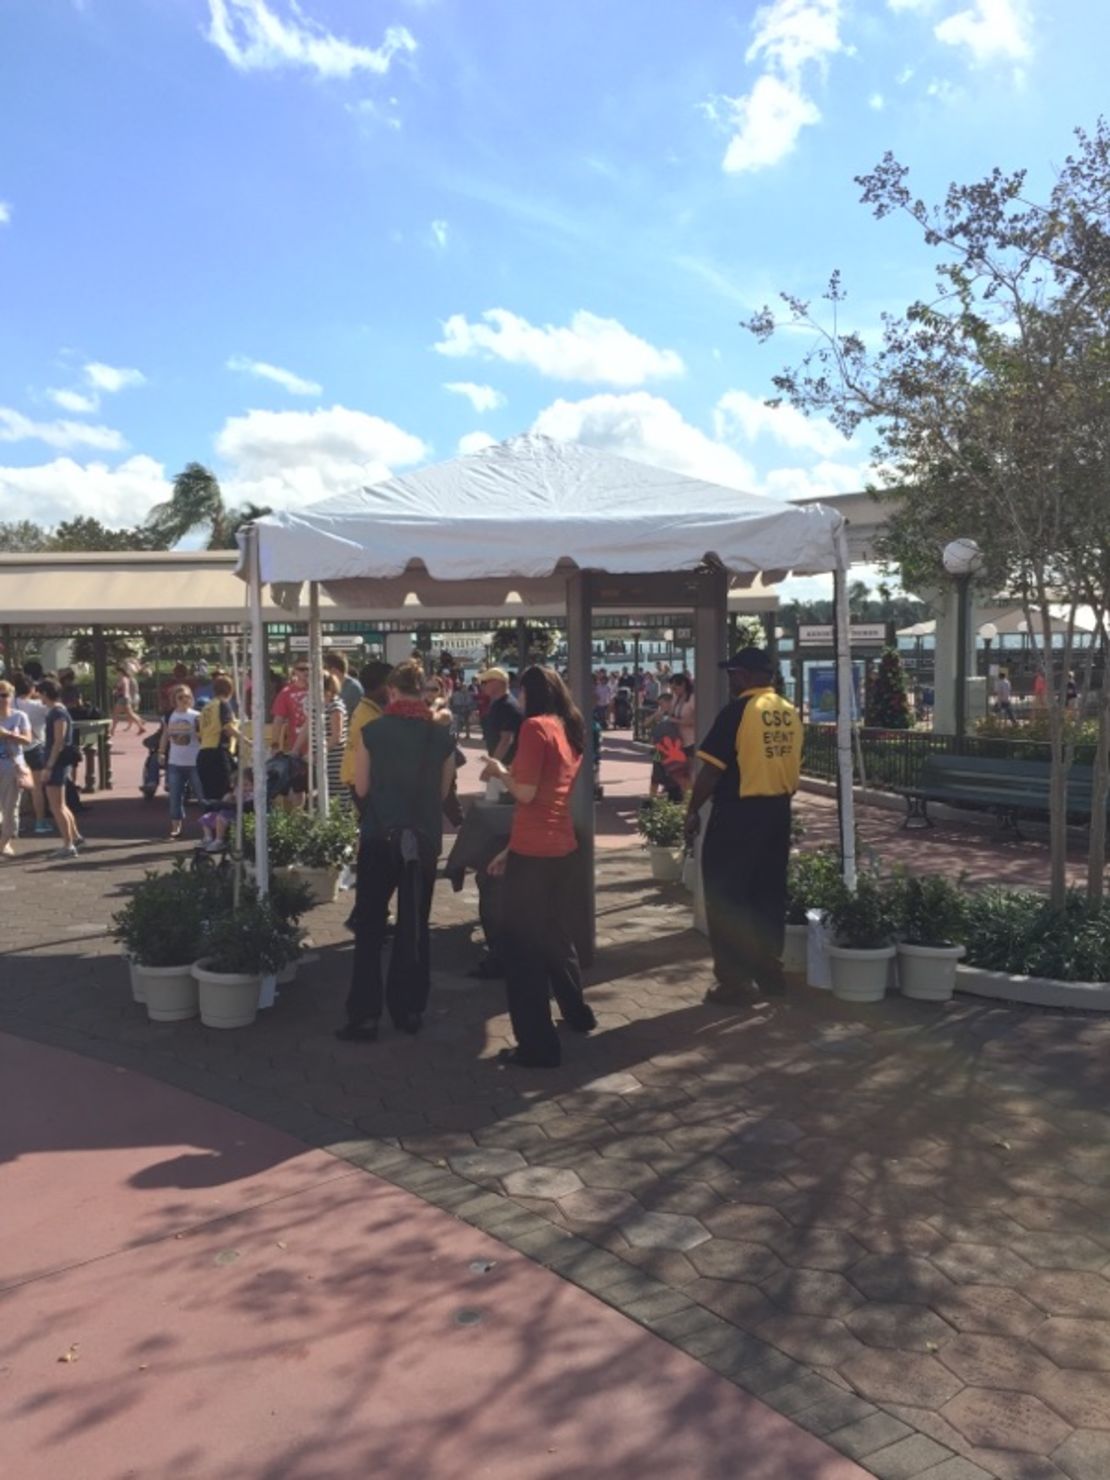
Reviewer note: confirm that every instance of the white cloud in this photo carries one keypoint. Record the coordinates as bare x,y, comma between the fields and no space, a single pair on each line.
5,213
111,378
592,349
75,401
819,481
791,38
481,397
475,442
647,429
15,427
253,37
289,458
991,30
439,234
296,385
877,102
61,489
739,412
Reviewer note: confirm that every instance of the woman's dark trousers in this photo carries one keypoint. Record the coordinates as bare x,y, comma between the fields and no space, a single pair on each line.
538,951
381,870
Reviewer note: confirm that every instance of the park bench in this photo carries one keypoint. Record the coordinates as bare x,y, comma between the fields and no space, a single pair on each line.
1009,788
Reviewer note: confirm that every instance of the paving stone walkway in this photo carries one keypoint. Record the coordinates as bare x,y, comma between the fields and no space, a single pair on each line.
890,1223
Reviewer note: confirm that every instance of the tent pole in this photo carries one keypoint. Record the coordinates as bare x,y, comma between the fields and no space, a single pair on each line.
317,738
579,671
258,711
845,796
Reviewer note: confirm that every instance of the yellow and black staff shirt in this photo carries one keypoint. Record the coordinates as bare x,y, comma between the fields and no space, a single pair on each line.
756,741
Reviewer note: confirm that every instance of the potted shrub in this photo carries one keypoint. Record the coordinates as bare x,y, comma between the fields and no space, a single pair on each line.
660,824
862,923
314,849
241,947
931,917
291,898
161,928
812,882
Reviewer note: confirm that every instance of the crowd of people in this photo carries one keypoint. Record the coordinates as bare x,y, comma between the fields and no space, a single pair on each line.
39,756
391,741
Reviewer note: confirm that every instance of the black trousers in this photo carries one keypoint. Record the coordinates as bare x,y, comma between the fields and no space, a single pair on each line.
491,893
743,866
537,947
381,871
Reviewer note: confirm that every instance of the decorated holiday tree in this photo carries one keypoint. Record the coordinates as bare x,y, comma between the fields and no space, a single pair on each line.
888,704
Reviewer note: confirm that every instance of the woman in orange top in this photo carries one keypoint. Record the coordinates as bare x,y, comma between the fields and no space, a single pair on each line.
539,868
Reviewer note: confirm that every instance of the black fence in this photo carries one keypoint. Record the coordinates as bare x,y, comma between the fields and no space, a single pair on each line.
892,759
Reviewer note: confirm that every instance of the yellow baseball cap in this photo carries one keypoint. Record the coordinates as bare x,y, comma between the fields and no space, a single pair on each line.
493,673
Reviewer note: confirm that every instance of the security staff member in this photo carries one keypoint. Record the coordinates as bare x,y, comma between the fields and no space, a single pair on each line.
752,758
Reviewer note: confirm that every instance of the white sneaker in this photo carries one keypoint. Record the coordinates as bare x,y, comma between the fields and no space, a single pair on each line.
7,851
60,853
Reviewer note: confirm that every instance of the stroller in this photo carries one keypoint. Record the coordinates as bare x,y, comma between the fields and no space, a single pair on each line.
152,767
622,709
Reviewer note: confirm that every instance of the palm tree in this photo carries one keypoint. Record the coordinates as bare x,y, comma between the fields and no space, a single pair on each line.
197,501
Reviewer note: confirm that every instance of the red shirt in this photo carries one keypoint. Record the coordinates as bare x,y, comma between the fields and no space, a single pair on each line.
291,705
542,828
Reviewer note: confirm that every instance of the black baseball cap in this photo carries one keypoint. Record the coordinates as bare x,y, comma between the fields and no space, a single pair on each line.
753,659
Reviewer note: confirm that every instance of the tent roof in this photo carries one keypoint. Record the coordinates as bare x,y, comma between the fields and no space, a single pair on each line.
169,588
532,508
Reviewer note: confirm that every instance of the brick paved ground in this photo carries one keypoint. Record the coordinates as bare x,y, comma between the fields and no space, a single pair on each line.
891,1223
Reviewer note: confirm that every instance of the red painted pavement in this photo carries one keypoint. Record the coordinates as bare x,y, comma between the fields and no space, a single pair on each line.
239,1307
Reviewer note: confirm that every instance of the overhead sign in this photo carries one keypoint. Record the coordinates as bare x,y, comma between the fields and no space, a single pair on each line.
347,641
864,634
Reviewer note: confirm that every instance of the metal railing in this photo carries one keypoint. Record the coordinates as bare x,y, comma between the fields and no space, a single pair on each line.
893,759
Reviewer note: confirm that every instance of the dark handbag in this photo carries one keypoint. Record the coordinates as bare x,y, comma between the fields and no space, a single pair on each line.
69,755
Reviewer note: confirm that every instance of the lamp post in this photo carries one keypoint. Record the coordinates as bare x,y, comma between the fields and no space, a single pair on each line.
988,632
962,558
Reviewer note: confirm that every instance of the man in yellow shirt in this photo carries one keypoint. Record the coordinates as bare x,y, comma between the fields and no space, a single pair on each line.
751,760
375,696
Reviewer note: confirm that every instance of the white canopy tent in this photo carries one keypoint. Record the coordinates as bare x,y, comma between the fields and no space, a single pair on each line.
545,519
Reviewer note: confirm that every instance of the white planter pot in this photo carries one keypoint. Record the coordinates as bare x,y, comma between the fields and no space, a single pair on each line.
322,883
1040,990
666,864
817,951
860,976
795,955
227,1000
137,993
170,993
928,973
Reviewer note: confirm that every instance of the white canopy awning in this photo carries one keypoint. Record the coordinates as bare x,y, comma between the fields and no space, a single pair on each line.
530,509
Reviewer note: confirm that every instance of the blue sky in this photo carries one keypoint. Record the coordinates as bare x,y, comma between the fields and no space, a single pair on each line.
272,236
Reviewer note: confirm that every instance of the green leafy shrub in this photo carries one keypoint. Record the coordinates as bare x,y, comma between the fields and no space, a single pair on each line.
1018,932
660,822
289,896
305,839
863,919
813,882
930,910
163,923
253,940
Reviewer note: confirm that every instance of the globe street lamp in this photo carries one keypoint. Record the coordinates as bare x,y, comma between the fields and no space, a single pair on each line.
962,558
